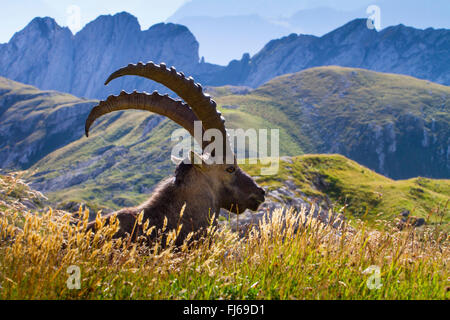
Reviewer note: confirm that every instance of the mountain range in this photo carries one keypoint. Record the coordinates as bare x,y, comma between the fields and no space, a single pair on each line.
399,49
49,57
255,22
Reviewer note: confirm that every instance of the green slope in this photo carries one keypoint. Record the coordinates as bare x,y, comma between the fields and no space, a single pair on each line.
396,125
33,123
364,193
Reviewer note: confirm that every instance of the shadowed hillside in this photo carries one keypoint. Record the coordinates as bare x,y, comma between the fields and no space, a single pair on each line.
34,123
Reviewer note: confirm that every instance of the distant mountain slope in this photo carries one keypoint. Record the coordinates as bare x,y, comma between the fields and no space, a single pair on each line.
34,123
48,56
416,13
228,29
399,49
217,19
220,8
325,17
396,125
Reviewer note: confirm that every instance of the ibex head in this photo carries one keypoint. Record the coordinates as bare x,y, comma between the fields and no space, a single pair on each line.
234,189
222,182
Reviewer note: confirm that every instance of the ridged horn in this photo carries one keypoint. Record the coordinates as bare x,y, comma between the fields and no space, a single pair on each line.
177,111
186,88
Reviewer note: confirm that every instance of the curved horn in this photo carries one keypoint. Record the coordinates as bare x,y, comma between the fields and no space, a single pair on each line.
177,111
186,88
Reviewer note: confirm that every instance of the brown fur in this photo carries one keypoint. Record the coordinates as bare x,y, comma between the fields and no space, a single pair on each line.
203,188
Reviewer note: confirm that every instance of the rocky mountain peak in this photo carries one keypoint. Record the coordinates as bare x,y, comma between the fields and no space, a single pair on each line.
355,31
397,49
39,28
45,25
120,22
49,56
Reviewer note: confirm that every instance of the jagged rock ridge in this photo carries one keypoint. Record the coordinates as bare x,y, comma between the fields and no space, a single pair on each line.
404,50
48,56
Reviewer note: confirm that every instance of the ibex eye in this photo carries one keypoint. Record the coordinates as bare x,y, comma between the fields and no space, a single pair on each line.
231,169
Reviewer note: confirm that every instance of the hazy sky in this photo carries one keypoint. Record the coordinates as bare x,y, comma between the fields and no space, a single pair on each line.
16,14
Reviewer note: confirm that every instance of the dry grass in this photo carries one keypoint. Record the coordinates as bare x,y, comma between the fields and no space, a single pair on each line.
287,257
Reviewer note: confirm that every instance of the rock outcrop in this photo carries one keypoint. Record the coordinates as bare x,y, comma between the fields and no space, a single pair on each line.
397,49
288,197
49,57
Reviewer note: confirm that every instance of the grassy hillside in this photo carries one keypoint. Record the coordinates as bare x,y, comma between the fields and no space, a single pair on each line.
396,125
33,123
364,193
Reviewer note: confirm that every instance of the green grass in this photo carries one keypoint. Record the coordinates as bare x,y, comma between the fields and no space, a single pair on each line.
366,194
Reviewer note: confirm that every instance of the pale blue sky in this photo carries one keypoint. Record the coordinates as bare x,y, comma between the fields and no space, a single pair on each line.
16,14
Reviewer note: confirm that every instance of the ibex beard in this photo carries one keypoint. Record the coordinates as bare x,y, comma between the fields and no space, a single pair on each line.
203,188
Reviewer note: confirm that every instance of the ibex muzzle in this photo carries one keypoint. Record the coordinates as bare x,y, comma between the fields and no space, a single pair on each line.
203,187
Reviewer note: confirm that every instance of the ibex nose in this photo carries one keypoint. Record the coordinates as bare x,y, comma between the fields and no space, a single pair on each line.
263,192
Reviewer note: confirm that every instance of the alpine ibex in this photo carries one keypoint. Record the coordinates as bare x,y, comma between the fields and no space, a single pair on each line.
203,187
